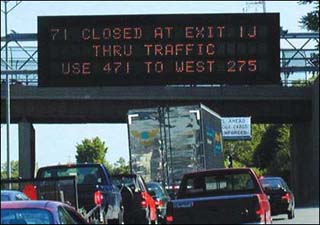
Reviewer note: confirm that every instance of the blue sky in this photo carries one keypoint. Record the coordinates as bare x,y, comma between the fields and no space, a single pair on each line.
56,142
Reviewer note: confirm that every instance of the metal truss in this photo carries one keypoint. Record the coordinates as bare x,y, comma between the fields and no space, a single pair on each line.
301,55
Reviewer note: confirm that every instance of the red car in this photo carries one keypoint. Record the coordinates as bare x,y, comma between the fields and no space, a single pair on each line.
139,205
39,212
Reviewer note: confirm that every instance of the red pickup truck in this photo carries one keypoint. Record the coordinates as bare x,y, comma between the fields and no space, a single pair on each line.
220,196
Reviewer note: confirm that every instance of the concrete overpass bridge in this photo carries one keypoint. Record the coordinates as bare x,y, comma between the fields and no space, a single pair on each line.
265,104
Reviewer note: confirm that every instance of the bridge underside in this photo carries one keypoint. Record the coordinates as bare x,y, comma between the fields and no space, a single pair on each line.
265,104
115,111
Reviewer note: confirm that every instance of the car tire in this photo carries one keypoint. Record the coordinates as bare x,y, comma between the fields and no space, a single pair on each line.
291,214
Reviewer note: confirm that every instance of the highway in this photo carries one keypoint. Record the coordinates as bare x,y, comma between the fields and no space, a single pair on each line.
306,215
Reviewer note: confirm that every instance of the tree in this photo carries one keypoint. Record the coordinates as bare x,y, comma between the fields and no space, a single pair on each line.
273,153
311,23
94,151
91,151
14,169
267,149
311,20
242,151
120,167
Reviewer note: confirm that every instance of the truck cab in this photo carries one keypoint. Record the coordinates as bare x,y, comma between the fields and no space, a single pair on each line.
220,196
94,189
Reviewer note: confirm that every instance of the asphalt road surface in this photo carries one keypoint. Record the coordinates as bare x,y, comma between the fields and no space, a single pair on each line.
307,215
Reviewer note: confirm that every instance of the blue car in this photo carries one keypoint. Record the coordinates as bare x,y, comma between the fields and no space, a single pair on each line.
13,195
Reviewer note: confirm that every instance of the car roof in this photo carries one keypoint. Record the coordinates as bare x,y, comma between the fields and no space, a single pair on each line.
154,183
71,165
224,170
31,204
271,177
11,192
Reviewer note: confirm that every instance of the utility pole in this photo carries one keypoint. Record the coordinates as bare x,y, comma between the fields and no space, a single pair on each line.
8,89
258,5
6,12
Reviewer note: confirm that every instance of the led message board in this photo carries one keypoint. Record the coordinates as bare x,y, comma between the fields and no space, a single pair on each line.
159,49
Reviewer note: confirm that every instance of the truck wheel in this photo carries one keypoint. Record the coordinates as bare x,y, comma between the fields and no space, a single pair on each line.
127,196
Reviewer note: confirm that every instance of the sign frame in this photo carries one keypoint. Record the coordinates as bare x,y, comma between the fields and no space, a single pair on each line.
61,52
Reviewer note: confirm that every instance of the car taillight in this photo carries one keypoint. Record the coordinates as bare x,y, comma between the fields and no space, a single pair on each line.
169,213
262,207
169,219
286,197
98,197
144,204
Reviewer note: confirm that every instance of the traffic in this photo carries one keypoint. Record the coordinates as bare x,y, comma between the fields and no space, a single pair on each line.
214,196
187,85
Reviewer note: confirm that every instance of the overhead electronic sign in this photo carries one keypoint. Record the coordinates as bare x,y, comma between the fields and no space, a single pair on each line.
128,50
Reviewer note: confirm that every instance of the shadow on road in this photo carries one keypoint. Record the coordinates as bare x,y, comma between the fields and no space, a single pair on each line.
277,219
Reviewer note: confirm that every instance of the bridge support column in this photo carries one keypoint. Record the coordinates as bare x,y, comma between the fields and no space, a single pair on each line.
305,155
26,150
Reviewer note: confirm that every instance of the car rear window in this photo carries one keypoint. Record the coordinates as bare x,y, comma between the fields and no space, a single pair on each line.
26,216
219,184
127,181
271,183
84,175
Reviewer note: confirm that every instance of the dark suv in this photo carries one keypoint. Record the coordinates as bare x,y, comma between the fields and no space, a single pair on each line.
139,206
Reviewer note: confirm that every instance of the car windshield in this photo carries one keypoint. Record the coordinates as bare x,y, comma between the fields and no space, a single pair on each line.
26,216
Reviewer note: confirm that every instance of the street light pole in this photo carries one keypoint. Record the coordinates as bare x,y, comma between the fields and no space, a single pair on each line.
8,90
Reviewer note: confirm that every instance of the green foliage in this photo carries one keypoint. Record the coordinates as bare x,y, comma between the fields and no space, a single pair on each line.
242,151
273,154
91,151
120,167
267,148
267,153
311,20
236,164
94,151
259,172
14,169
311,23
303,83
